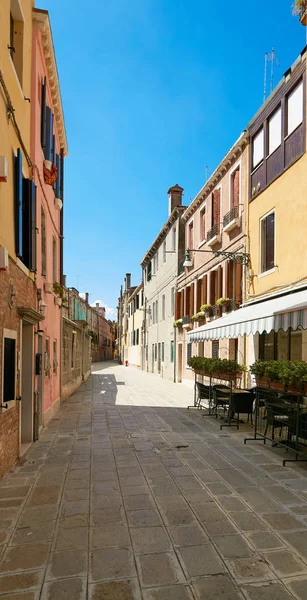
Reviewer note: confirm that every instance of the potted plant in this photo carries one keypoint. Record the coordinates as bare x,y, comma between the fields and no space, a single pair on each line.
178,323
300,8
205,308
283,375
59,291
200,316
227,370
222,301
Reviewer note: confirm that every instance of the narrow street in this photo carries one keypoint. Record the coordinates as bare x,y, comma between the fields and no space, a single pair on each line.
128,495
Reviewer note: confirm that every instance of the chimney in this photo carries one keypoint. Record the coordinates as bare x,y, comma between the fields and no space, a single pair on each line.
97,304
86,297
174,197
128,281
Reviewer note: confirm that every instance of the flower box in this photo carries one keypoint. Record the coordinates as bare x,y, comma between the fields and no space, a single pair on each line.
58,301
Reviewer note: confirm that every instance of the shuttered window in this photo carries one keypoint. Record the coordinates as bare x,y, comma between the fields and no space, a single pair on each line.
43,243
163,307
189,352
54,260
9,367
202,225
191,236
215,349
216,198
258,148
274,131
18,203
267,234
295,108
29,224
162,352
149,271
172,351
43,116
235,188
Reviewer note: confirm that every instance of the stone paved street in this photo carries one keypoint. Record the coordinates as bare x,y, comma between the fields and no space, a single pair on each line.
128,495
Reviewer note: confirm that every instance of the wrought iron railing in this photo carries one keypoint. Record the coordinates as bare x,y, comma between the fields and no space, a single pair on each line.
231,215
215,230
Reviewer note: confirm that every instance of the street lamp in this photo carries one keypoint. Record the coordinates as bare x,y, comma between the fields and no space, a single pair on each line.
241,258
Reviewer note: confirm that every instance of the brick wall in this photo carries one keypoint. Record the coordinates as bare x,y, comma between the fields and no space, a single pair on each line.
25,295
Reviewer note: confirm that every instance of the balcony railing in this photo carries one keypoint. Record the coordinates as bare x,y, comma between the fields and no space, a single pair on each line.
186,320
215,230
231,216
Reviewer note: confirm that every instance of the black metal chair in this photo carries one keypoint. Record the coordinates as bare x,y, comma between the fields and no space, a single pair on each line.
277,414
221,398
242,404
201,392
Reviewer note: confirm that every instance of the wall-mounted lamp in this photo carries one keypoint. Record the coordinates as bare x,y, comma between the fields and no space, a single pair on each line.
241,258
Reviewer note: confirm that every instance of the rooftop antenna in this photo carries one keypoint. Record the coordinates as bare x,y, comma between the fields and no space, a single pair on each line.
272,58
208,170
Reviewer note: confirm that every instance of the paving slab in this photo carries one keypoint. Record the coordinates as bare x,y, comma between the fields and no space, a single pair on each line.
110,476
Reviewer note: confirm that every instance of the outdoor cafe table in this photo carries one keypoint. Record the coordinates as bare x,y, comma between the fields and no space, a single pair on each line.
240,401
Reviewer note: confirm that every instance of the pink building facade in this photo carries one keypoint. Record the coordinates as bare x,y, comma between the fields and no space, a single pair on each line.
48,149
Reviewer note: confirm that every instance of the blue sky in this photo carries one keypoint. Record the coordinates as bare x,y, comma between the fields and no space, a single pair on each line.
153,91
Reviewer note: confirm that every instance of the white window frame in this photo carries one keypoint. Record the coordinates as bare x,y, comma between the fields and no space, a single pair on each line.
264,273
172,301
190,222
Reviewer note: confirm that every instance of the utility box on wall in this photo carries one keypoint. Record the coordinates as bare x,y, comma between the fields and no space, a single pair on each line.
4,259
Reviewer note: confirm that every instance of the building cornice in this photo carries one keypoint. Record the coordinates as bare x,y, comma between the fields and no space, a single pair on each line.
41,17
231,156
177,211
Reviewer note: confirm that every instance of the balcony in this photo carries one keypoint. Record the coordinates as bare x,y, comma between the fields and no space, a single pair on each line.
213,235
187,322
231,219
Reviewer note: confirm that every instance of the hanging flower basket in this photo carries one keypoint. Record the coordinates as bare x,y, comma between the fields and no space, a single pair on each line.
206,308
178,323
50,172
223,302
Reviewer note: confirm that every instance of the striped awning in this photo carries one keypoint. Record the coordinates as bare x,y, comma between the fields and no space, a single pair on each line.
284,312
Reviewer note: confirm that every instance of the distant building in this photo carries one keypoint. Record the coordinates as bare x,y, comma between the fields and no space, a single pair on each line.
135,326
161,266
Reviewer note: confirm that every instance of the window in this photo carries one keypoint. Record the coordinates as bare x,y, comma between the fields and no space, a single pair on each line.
16,38
148,271
25,215
283,345
157,311
235,188
274,131
137,337
47,364
267,235
54,260
215,348
172,301
258,148
162,352
156,351
294,116
164,252
174,238
172,351
9,368
189,352
202,225
216,209
163,307
43,242
55,357
191,236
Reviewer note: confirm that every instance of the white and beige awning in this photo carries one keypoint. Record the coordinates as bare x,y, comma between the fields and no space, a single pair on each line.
275,314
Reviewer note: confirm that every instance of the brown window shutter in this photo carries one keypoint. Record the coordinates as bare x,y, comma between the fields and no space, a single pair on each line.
204,290
199,294
191,311
236,187
220,282
212,288
216,209
238,284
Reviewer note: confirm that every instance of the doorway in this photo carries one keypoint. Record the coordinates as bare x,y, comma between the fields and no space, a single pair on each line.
40,380
180,357
27,393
